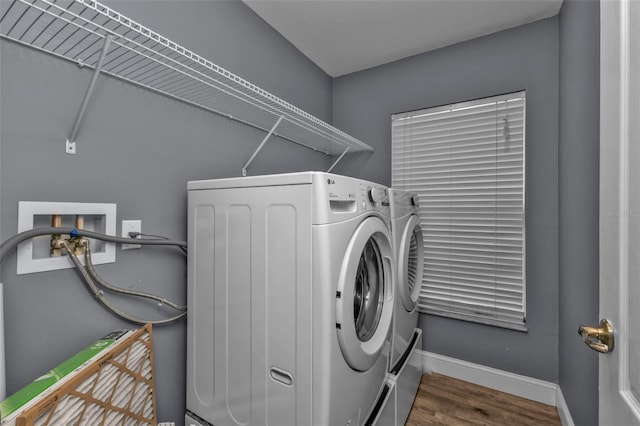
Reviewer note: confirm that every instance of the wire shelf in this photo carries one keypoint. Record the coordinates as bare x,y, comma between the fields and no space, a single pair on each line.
76,30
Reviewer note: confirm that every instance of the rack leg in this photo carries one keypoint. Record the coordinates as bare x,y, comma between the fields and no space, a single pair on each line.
244,169
71,141
338,160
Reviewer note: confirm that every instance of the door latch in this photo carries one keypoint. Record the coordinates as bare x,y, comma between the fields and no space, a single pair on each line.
599,339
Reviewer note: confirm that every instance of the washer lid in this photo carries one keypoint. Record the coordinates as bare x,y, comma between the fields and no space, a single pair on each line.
364,298
410,263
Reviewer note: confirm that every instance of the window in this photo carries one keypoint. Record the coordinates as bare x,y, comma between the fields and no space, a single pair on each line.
466,163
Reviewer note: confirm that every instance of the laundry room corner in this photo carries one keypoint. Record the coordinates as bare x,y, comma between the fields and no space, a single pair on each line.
522,58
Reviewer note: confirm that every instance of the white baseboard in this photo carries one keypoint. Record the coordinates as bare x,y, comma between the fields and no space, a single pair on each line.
563,409
515,384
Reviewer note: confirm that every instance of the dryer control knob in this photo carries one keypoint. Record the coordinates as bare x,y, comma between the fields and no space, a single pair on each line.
376,195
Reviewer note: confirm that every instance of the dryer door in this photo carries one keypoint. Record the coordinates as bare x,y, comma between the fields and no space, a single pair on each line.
364,300
410,264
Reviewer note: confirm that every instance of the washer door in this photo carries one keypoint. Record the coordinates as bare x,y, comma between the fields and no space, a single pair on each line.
364,298
410,264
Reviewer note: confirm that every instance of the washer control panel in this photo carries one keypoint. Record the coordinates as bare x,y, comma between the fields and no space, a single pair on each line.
374,197
414,200
403,203
340,197
377,195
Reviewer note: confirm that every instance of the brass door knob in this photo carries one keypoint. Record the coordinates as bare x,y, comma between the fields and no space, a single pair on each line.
599,339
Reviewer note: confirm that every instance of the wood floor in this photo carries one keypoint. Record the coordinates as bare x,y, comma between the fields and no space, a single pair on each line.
446,401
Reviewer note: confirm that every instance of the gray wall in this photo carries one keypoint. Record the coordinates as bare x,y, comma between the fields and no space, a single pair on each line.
521,58
579,183
138,150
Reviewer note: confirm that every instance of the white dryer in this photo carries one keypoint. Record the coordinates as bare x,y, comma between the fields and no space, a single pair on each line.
291,296
406,363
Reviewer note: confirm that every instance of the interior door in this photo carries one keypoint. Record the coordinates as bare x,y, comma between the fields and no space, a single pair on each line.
620,210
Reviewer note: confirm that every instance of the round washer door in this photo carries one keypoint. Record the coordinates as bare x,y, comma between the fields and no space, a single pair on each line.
410,264
364,297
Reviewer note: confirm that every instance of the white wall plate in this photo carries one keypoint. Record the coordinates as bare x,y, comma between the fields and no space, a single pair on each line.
33,254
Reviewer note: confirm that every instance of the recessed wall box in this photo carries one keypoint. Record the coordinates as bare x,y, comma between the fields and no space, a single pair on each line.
34,255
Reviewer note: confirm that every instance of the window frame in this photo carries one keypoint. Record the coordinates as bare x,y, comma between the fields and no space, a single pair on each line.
503,317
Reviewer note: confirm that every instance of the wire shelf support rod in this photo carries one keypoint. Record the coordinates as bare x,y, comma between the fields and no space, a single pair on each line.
264,141
70,146
338,159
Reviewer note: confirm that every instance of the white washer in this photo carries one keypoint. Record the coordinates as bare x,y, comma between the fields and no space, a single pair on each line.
291,295
406,363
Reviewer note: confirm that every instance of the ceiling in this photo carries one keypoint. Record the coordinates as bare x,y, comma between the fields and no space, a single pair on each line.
345,36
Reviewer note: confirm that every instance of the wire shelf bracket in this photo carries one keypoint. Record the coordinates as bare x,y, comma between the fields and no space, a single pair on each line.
264,141
70,146
338,159
121,48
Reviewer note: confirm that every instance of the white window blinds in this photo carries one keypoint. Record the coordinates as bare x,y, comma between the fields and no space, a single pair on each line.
466,163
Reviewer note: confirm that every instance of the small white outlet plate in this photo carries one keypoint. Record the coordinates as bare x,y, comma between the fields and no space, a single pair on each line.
33,254
131,226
